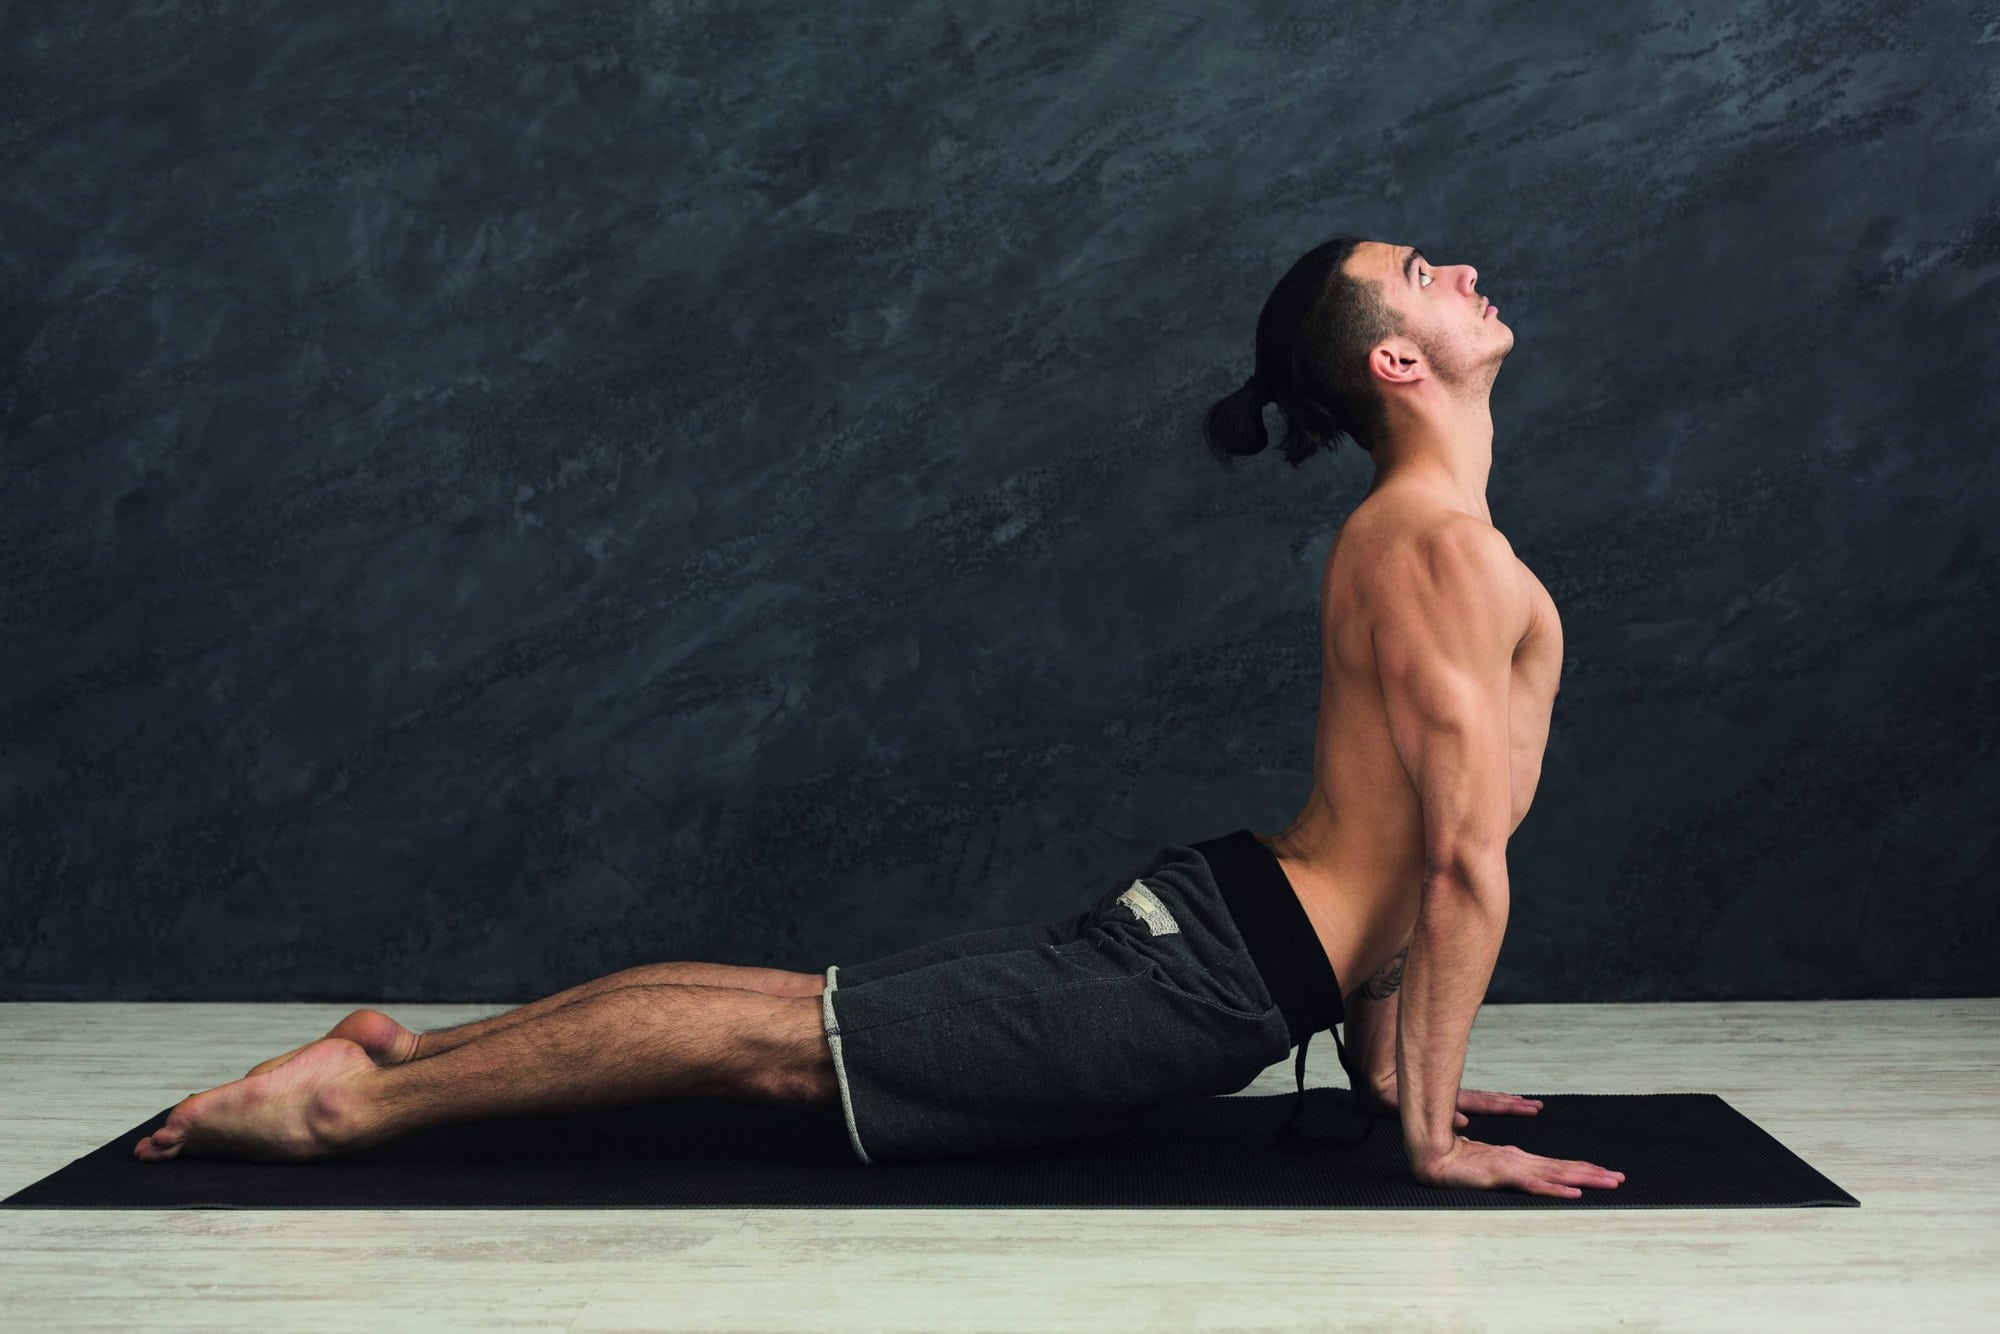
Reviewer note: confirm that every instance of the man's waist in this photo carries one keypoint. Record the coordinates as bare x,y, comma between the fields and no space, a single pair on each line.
1276,931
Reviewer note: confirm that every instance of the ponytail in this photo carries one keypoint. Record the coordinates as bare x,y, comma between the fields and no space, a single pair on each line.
1313,336
1234,427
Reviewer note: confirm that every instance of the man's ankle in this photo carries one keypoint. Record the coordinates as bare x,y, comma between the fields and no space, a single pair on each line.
339,1116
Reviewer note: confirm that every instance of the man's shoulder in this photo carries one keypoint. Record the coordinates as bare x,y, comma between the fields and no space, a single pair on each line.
1405,529
1417,556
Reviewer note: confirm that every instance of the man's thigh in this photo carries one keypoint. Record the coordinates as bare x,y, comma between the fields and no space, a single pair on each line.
994,1051
965,945
787,983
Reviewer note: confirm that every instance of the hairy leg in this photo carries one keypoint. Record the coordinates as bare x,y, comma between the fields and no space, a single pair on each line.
632,1044
389,1043
768,981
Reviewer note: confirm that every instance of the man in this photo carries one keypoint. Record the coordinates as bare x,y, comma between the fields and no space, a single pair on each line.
1441,658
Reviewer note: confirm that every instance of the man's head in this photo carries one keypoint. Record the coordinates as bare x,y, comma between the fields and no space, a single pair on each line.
1367,339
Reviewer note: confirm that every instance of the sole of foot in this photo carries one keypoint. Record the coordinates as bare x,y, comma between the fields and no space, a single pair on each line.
386,1041
294,1112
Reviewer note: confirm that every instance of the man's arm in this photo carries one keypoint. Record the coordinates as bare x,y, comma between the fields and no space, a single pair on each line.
1371,1021
1450,610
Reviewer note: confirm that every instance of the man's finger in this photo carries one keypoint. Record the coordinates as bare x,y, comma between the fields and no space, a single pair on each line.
1502,1102
1478,1101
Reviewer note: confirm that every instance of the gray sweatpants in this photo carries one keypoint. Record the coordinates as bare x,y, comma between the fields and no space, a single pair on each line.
1023,1035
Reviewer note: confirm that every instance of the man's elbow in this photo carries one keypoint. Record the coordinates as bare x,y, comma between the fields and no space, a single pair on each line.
1477,870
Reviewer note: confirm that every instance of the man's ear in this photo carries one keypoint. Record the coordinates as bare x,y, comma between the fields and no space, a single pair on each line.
1396,360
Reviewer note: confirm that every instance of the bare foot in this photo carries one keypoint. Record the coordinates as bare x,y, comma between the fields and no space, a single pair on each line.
386,1041
288,1114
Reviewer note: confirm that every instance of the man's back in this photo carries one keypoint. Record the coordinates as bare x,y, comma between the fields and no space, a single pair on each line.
1355,852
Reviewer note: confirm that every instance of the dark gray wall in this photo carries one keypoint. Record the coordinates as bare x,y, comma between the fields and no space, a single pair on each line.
495,497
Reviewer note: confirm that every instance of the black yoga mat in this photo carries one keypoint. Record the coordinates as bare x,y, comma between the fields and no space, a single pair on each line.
1677,1150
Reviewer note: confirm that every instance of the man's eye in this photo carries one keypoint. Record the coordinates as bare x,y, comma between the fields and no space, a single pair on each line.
1421,275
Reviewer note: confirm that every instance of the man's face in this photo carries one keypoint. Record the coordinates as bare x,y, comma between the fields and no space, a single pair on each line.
1455,330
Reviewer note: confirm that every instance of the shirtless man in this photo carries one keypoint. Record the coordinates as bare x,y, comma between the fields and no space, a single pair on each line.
1441,657
1441,654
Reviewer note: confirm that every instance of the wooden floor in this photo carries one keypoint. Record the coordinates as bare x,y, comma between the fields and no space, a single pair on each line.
1897,1101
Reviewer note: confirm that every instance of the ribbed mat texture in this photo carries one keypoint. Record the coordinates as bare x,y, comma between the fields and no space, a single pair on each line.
1677,1150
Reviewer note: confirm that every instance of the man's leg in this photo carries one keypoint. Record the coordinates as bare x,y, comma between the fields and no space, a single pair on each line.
389,1043
769,981
632,1044
616,1047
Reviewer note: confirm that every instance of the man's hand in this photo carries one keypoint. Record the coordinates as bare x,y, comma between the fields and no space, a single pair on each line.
1487,1166
1379,1095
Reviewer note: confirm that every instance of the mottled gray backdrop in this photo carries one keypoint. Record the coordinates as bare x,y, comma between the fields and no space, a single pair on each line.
494,495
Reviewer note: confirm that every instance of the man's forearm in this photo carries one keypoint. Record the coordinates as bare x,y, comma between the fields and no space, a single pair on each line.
1371,1020
1452,952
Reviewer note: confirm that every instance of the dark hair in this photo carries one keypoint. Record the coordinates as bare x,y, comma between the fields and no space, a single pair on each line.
1313,337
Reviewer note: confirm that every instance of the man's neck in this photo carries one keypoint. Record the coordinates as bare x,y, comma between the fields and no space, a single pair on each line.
1449,460
1464,491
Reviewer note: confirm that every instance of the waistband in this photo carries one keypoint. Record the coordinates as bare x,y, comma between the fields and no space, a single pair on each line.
1279,935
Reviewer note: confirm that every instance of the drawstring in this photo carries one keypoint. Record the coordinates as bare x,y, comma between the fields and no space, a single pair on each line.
1288,1132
